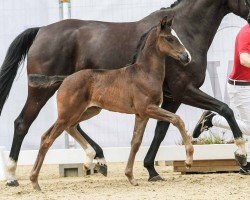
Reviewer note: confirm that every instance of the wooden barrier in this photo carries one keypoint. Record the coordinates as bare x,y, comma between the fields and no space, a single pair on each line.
205,166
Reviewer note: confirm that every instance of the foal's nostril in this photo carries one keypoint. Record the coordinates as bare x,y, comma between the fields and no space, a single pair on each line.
184,57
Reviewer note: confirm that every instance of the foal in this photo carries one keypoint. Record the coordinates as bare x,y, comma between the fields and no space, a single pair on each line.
135,89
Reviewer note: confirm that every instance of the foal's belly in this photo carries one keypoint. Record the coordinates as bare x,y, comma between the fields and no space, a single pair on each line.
113,99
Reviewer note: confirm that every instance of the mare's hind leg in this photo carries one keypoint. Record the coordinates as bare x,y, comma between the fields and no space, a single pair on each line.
35,101
99,156
139,128
155,112
90,152
47,140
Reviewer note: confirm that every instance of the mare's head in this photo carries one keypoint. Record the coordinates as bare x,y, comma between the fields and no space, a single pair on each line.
238,7
169,44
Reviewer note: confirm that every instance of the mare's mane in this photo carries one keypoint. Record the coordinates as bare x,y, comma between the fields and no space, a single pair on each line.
176,3
173,4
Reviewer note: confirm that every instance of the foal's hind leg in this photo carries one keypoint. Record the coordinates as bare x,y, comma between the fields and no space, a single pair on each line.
139,128
90,152
35,101
158,113
47,140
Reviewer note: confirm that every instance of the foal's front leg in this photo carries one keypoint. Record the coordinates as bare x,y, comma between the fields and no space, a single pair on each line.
158,113
139,128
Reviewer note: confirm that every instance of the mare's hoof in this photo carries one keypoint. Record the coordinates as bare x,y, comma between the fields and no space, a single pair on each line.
13,183
103,169
156,178
241,159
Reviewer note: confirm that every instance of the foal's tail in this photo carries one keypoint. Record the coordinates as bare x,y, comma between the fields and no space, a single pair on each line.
43,81
13,59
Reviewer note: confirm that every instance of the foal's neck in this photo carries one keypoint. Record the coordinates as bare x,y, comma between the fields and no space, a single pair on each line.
150,60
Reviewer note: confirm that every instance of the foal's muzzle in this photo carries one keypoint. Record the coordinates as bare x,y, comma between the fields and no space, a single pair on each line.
184,58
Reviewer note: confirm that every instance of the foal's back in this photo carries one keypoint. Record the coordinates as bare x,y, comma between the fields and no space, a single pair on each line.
107,89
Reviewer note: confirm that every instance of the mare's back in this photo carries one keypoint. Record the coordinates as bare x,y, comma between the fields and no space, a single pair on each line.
77,44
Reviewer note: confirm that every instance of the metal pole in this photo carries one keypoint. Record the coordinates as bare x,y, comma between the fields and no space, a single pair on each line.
65,13
64,9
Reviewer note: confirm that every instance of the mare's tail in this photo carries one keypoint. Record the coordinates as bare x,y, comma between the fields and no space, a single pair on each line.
13,59
43,81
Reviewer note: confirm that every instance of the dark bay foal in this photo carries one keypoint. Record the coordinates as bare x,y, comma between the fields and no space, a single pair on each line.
135,89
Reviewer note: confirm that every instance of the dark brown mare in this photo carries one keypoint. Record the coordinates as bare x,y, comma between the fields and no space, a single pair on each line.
69,46
134,89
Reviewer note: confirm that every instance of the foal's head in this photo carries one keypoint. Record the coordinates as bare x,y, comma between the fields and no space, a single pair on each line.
169,44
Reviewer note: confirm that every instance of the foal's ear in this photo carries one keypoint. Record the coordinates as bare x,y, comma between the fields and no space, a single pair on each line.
166,21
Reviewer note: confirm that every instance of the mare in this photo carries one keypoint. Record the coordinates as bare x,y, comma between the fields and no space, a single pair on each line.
77,47
134,89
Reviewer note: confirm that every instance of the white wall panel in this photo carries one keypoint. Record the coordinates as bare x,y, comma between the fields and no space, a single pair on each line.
108,129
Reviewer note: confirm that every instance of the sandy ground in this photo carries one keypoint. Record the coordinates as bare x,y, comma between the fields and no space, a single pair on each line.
115,186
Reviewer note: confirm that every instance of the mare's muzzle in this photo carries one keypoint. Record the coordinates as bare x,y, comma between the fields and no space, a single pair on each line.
184,58
247,3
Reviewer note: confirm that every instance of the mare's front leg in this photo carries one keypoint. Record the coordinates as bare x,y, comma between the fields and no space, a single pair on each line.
139,128
158,113
197,98
160,133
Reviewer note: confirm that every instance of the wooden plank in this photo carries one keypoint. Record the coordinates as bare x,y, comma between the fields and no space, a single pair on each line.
222,165
208,169
229,162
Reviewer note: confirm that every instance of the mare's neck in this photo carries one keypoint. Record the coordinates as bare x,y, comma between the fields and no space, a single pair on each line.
199,20
153,19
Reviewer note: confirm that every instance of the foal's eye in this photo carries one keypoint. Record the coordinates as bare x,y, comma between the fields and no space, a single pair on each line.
169,39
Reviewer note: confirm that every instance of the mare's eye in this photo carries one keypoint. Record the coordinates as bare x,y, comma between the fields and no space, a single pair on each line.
169,39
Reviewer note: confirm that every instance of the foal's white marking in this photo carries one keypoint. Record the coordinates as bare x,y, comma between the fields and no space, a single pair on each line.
11,170
175,34
90,154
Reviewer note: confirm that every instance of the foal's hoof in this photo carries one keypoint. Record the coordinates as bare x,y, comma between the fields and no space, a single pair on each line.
103,169
134,182
241,159
156,178
188,165
13,183
36,186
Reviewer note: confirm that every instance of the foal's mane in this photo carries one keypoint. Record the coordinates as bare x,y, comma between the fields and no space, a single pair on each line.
143,38
141,44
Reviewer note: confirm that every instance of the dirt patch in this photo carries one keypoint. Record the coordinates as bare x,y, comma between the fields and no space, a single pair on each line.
115,186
